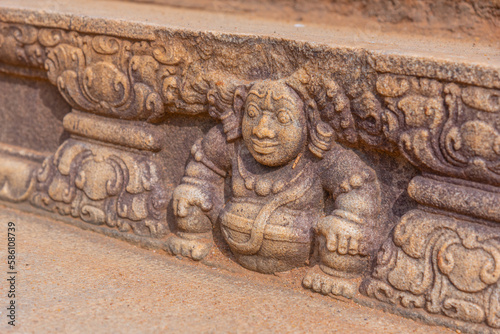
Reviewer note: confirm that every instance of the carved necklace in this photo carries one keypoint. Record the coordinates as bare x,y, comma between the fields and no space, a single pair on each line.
263,185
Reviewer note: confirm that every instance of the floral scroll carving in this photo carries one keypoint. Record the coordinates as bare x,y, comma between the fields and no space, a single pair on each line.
443,128
437,259
443,265
20,44
89,82
103,185
433,123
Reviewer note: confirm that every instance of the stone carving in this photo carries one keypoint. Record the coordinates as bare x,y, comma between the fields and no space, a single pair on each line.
442,264
288,126
442,257
127,79
103,75
279,168
105,184
432,124
17,169
20,45
431,121
90,81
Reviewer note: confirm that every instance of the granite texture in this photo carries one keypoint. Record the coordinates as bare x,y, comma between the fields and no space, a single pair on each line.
74,281
366,164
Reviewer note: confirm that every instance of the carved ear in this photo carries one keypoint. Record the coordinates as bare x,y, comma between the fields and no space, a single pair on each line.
321,138
321,135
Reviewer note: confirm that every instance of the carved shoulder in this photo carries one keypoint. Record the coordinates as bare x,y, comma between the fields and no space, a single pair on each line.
215,148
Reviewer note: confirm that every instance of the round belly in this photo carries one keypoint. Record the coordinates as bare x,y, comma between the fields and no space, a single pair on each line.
286,237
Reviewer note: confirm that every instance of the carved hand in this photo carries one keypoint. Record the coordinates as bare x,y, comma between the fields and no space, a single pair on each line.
186,196
342,235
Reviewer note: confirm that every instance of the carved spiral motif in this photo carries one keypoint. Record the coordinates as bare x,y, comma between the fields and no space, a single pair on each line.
454,265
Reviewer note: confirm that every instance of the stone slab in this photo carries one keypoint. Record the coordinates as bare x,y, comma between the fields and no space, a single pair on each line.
359,162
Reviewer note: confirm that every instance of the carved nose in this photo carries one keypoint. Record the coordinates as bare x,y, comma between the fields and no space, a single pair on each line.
263,129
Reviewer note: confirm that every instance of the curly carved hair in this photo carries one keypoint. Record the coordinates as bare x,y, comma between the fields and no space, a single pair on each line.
321,98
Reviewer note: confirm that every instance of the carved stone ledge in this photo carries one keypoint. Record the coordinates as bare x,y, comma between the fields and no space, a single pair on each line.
472,200
360,112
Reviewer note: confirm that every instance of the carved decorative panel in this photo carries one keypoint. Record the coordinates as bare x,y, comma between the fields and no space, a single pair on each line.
442,264
287,176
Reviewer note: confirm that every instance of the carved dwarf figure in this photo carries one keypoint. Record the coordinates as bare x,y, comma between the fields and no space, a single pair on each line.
283,169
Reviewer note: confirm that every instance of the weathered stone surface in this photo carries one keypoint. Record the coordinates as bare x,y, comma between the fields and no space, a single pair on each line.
32,114
116,287
368,165
448,18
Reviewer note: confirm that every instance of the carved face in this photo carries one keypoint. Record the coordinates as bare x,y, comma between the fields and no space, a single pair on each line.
274,124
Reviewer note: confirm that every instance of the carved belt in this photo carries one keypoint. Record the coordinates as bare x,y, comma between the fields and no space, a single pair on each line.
254,243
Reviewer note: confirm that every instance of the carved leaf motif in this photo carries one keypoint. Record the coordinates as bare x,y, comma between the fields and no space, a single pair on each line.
148,101
115,185
24,34
421,111
49,37
34,54
418,148
103,185
170,52
453,264
94,176
105,44
92,215
144,69
464,310
474,139
63,58
483,99
464,266
105,85
392,86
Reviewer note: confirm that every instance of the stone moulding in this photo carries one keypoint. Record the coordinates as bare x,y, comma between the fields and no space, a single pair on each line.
17,169
443,117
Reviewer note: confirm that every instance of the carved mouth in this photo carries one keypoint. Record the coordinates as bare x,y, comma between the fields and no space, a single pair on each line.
264,146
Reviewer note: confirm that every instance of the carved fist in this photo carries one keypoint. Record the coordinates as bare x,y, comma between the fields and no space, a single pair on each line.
342,236
187,196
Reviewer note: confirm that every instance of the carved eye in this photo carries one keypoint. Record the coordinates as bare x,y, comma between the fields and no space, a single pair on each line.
252,111
284,117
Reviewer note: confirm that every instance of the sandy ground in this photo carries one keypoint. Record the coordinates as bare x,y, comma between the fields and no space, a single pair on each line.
74,281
